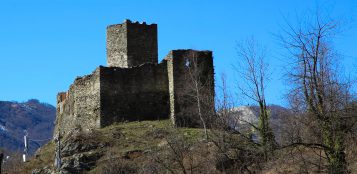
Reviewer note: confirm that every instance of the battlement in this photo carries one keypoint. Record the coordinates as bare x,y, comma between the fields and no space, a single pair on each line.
127,21
131,44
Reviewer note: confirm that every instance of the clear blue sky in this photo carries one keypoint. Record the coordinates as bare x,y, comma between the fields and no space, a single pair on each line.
45,44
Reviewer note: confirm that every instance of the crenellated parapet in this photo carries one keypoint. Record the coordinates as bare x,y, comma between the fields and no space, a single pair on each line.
131,44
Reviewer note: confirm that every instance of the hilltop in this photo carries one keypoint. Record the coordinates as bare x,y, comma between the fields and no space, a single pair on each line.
131,147
157,147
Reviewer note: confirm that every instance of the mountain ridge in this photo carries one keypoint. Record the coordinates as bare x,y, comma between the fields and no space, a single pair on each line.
32,116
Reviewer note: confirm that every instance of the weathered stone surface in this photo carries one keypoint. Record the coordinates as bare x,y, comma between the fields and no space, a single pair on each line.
81,107
45,170
131,44
134,94
80,162
80,152
74,147
184,68
135,87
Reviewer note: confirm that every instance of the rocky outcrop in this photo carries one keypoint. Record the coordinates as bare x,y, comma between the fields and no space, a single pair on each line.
45,170
134,147
81,151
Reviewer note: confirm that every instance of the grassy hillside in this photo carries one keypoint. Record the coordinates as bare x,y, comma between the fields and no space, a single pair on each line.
124,145
157,147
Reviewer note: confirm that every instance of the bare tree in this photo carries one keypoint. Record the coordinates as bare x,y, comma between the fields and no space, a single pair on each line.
223,120
237,151
181,154
253,70
317,90
198,88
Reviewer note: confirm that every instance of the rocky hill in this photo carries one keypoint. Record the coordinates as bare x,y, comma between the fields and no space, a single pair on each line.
157,147
134,147
33,116
151,147
139,147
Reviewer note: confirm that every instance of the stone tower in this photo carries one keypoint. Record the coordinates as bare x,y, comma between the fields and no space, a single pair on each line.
135,86
131,44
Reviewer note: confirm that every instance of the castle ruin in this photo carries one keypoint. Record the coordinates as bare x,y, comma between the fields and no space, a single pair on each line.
135,86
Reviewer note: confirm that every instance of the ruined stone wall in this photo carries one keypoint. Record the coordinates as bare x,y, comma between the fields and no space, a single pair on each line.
171,87
133,94
181,72
117,45
135,87
131,44
142,44
79,108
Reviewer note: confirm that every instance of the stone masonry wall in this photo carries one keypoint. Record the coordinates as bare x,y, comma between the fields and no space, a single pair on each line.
142,44
135,87
117,45
133,94
171,87
79,108
131,44
183,102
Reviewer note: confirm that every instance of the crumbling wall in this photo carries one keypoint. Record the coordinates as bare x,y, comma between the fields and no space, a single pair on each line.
142,44
182,75
79,108
133,94
171,87
117,45
131,44
135,87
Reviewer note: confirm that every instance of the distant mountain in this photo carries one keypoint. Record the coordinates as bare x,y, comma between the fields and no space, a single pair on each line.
242,116
251,113
34,117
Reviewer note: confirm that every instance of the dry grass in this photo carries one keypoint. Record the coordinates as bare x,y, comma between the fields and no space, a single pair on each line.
134,139
133,147
43,157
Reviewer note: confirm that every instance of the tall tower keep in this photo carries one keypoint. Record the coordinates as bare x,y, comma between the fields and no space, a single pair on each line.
131,44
